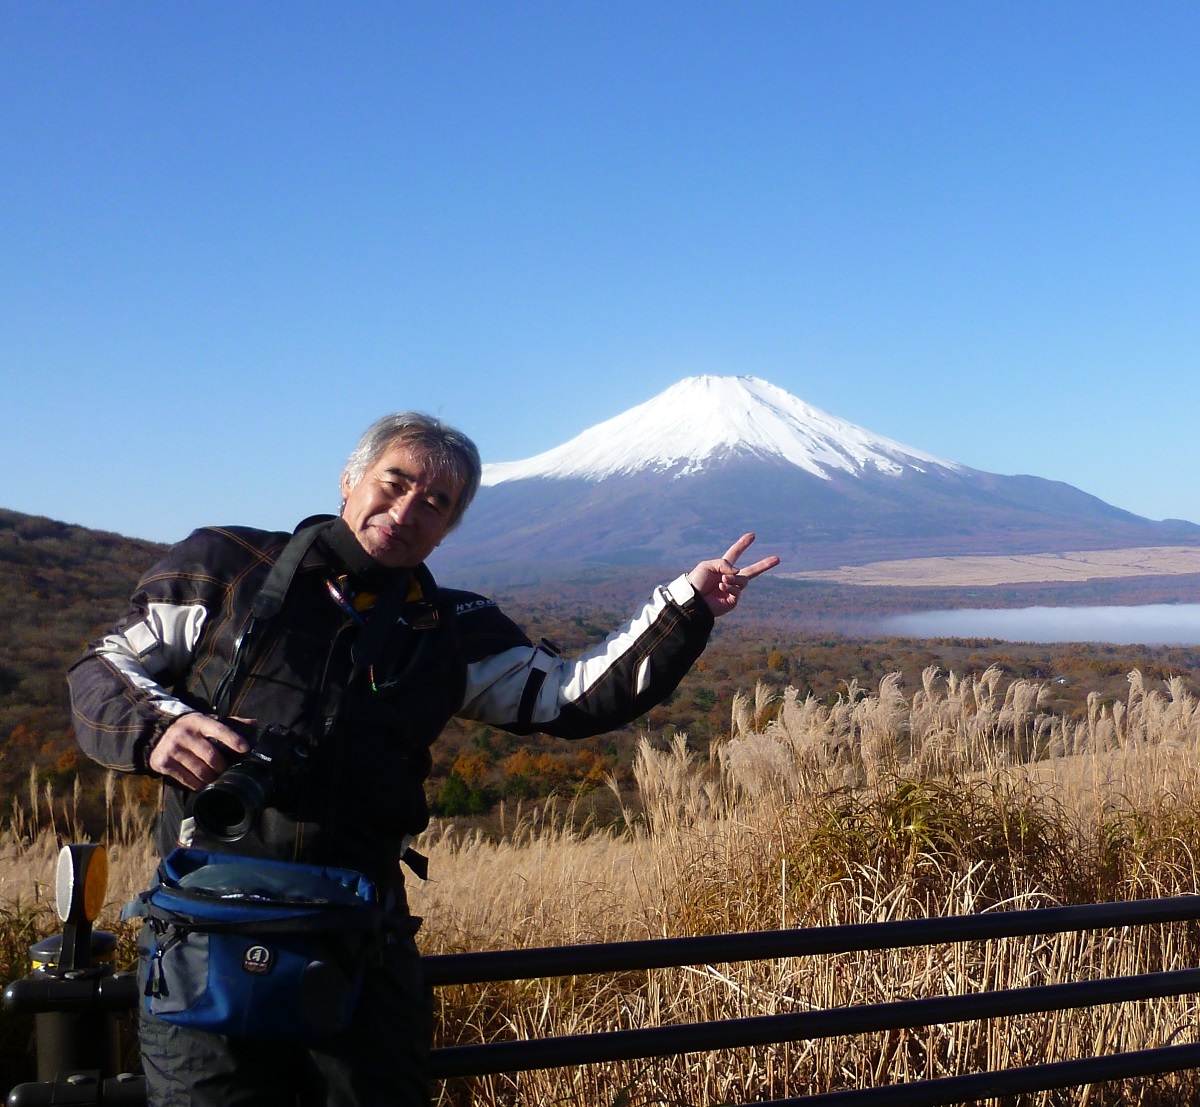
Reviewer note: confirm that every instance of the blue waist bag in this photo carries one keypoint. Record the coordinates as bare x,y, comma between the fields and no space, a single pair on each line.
256,948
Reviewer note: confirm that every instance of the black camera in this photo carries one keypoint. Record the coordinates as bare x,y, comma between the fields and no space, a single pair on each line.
271,774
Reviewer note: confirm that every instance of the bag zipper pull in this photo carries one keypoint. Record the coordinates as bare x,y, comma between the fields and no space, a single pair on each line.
156,980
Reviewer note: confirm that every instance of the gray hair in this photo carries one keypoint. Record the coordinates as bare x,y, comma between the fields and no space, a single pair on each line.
451,453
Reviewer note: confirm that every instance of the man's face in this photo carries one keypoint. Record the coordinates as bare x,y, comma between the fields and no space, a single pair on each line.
400,510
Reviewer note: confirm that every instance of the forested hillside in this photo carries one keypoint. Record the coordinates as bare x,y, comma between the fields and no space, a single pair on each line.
61,584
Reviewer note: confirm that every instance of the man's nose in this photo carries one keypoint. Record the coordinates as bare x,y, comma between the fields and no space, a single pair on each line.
401,508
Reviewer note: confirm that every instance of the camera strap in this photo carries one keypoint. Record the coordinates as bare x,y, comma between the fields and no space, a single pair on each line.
269,601
382,620
270,596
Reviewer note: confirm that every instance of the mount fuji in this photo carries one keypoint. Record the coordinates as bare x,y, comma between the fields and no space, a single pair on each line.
674,479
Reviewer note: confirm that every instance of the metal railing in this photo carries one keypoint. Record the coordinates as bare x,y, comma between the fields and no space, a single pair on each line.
625,1045
75,1000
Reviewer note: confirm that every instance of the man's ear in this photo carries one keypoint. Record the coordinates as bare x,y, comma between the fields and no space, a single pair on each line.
346,486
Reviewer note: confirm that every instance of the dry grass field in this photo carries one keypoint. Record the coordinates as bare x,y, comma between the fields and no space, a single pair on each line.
957,796
979,570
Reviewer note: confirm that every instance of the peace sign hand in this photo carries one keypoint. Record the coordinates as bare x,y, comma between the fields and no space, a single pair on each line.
720,582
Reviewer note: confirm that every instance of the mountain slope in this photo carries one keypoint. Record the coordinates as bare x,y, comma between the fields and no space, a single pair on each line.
673,479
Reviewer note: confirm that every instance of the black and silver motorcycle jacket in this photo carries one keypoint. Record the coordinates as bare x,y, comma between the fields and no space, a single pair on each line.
366,717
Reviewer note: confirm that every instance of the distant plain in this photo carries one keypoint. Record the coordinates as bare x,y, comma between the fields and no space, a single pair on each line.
979,570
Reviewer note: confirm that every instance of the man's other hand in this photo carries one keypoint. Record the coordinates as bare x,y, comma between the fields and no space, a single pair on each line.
720,582
189,750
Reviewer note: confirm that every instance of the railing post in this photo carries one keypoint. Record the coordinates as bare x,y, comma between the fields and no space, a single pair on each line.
74,996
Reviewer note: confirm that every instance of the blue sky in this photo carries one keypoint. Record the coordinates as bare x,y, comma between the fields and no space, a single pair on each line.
234,233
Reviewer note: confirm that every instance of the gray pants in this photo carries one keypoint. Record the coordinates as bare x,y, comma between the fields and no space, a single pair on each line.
382,1060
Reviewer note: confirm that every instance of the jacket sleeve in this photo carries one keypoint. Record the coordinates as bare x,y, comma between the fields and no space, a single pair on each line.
525,688
121,700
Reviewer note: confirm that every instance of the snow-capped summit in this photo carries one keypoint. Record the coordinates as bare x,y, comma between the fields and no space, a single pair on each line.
706,420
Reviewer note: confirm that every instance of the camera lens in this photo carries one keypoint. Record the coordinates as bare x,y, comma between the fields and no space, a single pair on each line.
229,806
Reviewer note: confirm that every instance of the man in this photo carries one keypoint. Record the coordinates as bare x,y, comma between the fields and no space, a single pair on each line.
339,635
